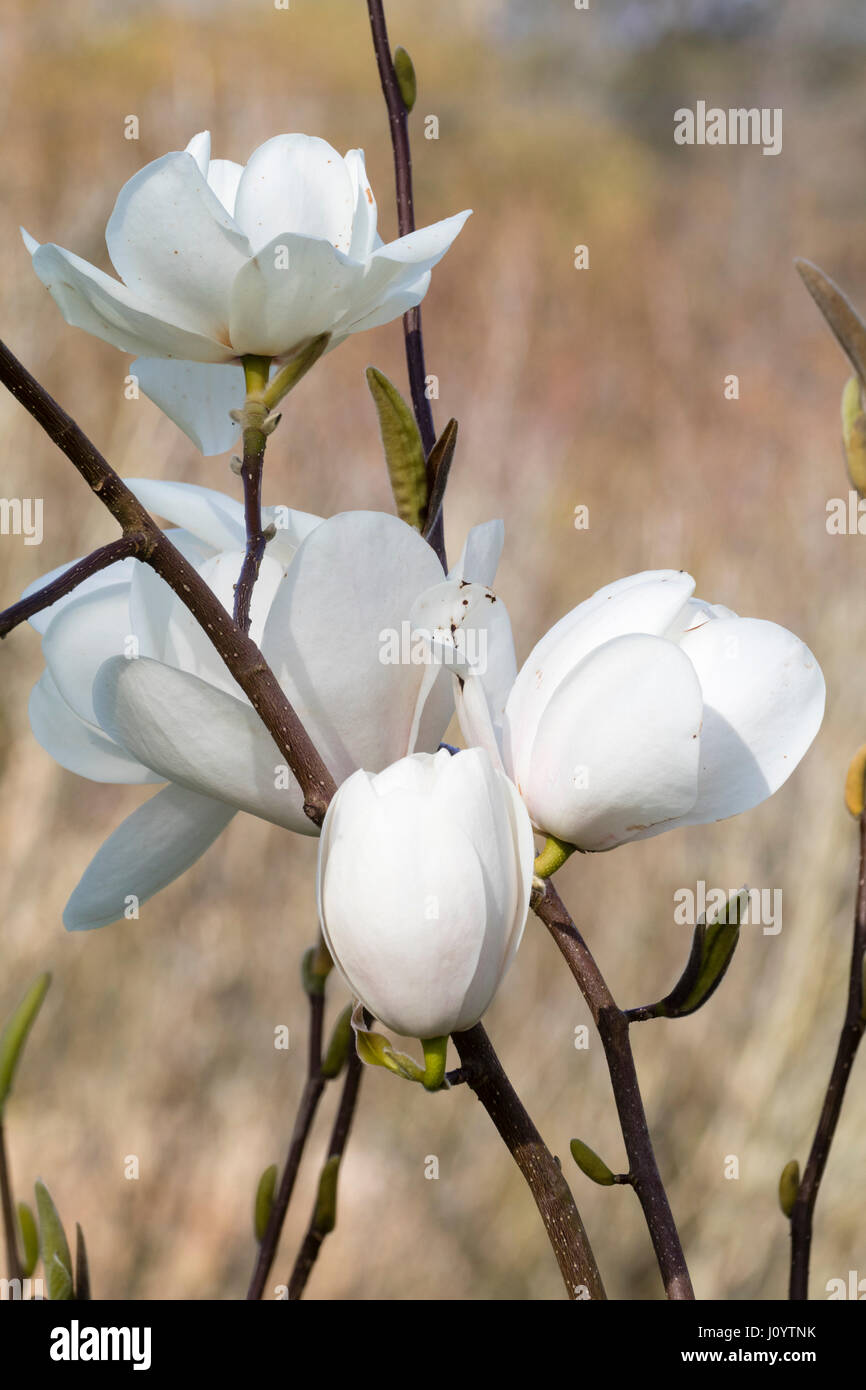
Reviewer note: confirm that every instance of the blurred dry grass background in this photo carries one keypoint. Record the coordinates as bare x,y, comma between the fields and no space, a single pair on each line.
602,387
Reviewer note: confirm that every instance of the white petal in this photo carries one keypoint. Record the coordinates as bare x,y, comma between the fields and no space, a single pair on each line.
76,745
394,267
617,749
212,516
198,736
468,629
89,299
152,601
172,242
197,396
292,527
152,847
199,148
648,602
293,289
392,305
223,176
120,572
763,705
88,630
352,582
479,558
296,183
176,638
364,235
422,249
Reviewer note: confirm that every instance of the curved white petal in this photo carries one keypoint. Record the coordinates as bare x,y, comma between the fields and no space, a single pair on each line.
390,306
212,516
395,267
87,631
292,527
120,572
89,299
151,600
199,148
197,396
338,615
763,704
617,750
648,603
364,234
172,243
76,745
150,849
223,177
296,183
293,289
479,558
198,736
180,641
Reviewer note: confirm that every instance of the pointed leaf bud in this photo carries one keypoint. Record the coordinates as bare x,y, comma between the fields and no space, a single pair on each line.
82,1267
54,1246
29,1239
855,783
854,434
264,1201
589,1163
404,452
338,1047
15,1033
404,71
789,1186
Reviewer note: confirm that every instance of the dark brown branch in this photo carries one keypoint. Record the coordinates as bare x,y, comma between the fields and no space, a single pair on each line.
100,559
613,1029
309,1104
240,654
849,1040
399,126
544,1177
251,476
318,1230
10,1221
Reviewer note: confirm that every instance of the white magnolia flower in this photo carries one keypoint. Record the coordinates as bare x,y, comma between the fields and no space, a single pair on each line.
424,877
217,260
133,691
641,710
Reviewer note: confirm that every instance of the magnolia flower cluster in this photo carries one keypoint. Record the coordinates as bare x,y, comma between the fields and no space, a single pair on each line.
643,709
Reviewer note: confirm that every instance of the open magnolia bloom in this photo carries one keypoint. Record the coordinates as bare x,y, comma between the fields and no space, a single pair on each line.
218,260
424,878
641,710
133,691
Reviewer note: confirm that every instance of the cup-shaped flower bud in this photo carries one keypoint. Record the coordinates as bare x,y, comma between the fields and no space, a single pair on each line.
424,878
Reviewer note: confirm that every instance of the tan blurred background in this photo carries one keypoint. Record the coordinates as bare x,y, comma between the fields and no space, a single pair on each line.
601,387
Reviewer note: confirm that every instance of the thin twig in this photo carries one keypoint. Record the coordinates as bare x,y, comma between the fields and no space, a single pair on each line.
309,1104
320,1228
120,549
544,1177
9,1219
251,476
613,1029
399,126
849,1040
240,654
